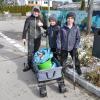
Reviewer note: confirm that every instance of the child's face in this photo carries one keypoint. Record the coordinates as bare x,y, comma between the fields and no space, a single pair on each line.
36,14
52,22
70,20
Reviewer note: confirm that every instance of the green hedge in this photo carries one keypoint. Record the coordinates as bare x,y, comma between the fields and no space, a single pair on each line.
16,9
19,9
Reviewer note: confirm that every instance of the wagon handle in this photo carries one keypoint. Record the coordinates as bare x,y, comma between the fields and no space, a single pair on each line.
48,76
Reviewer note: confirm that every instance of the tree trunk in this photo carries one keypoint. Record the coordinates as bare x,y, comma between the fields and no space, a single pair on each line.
90,12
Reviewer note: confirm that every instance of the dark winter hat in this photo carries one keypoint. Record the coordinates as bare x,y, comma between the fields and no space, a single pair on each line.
71,14
36,9
53,17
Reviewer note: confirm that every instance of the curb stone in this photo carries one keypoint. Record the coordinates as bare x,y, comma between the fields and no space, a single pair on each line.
82,82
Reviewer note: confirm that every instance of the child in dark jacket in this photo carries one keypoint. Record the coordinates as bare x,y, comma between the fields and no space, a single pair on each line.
52,33
32,29
68,41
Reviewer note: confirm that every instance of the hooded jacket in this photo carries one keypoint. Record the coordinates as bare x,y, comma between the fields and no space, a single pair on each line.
52,33
31,26
68,39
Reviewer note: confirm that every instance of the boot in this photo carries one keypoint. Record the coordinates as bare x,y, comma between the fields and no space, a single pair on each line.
27,67
78,70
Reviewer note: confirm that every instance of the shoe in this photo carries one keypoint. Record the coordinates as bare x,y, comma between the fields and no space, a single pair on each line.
78,70
69,66
27,68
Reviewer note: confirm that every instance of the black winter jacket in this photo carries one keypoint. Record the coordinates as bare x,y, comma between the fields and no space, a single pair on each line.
52,33
31,27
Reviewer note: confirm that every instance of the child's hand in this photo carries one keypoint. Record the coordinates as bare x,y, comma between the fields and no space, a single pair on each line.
40,24
24,41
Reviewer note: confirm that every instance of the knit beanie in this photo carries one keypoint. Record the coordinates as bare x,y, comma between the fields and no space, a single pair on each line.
71,14
53,17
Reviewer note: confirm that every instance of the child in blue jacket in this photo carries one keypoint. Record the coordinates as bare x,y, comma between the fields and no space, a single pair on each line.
52,33
68,41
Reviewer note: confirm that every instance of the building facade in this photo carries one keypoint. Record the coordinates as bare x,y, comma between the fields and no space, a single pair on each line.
43,3
35,2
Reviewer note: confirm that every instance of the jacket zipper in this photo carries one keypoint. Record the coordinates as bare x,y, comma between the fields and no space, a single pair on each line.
35,27
68,38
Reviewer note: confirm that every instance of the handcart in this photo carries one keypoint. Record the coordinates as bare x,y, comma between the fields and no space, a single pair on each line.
47,75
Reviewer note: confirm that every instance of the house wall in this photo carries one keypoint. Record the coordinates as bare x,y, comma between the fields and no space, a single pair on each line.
34,2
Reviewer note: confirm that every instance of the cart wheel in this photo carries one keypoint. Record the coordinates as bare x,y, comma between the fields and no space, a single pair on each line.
62,88
43,92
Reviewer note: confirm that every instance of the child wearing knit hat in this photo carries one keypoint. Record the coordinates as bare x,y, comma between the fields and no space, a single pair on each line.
52,33
68,41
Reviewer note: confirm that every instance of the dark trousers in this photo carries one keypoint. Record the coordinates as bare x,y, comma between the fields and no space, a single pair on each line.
54,52
64,56
33,46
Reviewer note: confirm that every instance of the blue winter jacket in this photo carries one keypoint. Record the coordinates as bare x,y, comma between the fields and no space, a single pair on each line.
68,39
52,33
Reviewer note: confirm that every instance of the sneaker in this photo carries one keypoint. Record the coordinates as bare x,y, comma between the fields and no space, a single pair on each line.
78,70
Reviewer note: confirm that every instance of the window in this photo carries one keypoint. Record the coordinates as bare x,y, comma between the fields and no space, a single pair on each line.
45,2
32,2
36,2
29,2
